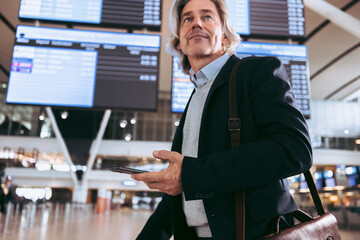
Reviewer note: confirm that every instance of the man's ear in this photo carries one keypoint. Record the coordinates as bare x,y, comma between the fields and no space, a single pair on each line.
225,40
178,46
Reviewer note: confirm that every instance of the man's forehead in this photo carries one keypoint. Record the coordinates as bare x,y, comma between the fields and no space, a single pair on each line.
199,6
199,10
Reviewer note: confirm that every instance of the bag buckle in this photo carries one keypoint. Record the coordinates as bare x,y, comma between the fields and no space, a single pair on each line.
234,124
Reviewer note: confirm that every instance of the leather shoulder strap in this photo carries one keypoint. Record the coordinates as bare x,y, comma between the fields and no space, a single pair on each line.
234,126
314,192
234,123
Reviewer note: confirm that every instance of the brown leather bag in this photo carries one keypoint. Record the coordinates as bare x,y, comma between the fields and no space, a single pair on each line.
322,227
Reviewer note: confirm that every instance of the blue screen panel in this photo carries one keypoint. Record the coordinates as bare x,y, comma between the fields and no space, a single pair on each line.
86,69
87,11
64,77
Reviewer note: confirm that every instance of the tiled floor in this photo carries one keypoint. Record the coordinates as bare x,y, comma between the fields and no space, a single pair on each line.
119,224
122,224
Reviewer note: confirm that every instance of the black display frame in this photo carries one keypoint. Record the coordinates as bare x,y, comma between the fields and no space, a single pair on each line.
70,24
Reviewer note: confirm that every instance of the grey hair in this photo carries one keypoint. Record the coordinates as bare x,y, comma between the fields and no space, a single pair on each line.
174,18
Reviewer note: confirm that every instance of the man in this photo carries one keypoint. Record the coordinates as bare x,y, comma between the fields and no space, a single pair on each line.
204,173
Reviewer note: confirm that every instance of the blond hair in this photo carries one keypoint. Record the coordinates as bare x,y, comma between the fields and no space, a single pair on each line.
175,15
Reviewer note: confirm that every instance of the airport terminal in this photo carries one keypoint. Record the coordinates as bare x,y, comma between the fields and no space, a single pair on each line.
86,86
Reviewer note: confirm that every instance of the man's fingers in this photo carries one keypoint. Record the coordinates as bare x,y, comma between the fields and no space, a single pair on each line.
167,155
147,177
168,180
161,155
153,185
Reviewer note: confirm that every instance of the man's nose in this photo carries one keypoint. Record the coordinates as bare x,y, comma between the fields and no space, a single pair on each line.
197,23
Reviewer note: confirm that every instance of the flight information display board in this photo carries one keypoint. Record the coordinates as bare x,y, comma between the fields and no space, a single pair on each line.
181,88
293,57
125,13
270,18
82,68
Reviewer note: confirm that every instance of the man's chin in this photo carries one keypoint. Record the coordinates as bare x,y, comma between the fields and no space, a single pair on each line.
202,54
199,51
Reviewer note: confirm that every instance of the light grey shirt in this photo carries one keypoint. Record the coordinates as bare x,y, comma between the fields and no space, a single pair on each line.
194,210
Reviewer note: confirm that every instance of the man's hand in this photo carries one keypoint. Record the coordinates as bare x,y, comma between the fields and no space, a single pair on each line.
168,180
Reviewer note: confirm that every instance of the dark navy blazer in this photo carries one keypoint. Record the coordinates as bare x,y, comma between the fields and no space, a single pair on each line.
275,145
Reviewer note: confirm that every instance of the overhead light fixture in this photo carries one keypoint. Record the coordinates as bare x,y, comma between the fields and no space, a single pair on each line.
128,137
133,121
357,141
346,131
129,183
42,117
64,115
350,170
333,198
123,123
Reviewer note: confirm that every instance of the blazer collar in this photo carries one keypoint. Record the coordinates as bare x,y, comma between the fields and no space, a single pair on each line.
222,78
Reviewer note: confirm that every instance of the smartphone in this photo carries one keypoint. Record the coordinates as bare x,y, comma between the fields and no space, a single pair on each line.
126,170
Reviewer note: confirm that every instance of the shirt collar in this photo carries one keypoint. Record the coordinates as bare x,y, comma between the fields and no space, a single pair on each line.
208,72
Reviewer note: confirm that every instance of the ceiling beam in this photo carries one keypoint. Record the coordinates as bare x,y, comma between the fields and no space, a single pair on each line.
3,69
335,15
7,23
342,87
325,23
341,56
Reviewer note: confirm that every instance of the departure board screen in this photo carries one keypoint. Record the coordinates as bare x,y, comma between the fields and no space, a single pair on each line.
293,57
124,13
270,18
86,69
181,88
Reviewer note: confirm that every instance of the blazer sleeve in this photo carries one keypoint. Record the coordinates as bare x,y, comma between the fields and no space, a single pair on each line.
282,147
159,225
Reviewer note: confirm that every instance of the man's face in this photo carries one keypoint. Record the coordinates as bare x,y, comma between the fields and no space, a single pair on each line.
201,32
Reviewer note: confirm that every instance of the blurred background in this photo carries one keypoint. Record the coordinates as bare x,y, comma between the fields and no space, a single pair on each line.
88,85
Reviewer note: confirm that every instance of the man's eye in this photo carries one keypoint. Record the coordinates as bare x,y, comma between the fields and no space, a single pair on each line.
187,20
208,17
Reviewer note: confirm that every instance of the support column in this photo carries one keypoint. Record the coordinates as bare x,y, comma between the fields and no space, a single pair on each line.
61,141
80,193
94,149
80,190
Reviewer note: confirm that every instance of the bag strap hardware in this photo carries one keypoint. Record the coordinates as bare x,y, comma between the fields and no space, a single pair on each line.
234,124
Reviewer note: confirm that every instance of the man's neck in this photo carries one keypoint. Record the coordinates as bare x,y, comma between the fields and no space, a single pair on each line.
197,63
